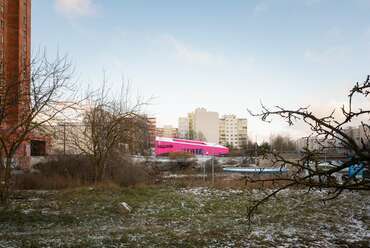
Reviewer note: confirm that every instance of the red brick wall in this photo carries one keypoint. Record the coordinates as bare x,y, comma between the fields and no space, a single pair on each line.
17,43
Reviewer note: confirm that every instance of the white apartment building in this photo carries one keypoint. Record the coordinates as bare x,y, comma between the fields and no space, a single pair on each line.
205,125
67,125
167,131
360,134
233,131
313,143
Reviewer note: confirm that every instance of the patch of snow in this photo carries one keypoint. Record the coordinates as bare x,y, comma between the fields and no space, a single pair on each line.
124,208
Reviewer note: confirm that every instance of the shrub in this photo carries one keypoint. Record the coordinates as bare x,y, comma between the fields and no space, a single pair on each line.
124,172
180,155
71,166
74,171
33,181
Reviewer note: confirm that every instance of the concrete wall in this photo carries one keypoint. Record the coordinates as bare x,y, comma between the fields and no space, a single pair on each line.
206,124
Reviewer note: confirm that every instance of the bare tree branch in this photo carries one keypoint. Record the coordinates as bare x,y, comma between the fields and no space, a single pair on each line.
329,134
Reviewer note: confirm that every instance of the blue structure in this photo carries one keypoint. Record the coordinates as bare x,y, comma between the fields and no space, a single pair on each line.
256,170
356,170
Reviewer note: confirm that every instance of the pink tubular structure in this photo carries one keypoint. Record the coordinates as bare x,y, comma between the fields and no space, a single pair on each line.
169,145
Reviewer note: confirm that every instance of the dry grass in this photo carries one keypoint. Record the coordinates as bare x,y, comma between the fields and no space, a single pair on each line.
77,171
181,217
221,182
32,181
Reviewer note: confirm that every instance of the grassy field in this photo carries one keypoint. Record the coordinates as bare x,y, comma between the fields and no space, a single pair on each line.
182,217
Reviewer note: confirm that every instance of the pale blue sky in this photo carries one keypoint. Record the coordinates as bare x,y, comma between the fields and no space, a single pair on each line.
225,55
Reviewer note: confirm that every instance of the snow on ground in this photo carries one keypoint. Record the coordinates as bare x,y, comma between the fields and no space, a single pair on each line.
183,217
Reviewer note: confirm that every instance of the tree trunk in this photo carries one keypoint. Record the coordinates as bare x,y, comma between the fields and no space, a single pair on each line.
5,180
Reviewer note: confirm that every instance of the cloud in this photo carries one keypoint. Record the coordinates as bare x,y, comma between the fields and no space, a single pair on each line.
72,8
188,54
260,8
329,55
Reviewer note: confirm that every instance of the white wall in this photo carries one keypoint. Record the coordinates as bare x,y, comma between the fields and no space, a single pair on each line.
207,123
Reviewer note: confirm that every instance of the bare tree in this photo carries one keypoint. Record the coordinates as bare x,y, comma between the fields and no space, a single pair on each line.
110,124
27,104
282,143
200,136
136,134
330,132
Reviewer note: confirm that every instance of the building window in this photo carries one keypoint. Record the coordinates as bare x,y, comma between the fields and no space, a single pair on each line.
38,148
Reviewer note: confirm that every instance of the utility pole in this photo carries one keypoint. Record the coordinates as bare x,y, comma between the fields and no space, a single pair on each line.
204,170
256,147
64,138
213,169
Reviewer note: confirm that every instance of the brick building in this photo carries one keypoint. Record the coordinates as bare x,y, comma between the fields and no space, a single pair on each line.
152,125
167,131
15,46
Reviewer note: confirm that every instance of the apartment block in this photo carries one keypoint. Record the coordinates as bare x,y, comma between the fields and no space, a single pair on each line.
167,131
205,125
321,145
360,134
233,131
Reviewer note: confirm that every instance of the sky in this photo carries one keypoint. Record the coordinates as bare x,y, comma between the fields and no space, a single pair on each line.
226,56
